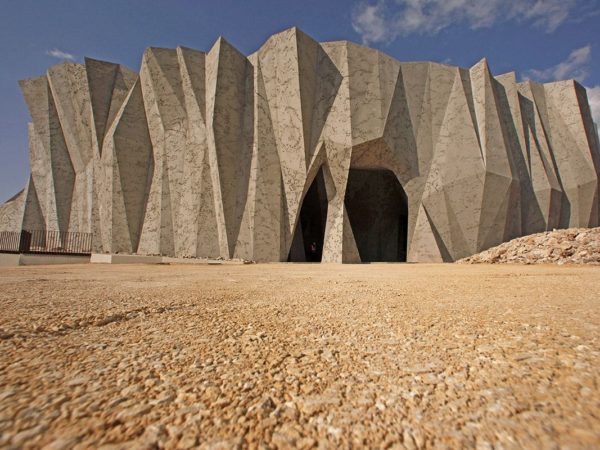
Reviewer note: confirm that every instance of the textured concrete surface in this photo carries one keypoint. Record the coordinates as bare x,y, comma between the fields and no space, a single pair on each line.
212,154
101,258
9,259
12,259
300,356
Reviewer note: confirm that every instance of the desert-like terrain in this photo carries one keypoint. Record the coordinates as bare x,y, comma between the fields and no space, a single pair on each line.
300,356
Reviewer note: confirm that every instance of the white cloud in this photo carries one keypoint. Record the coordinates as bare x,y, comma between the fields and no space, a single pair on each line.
369,21
386,20
56,53
593,95
575,66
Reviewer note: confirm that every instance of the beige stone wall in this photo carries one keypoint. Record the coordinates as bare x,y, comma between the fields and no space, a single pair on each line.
211,154
11,213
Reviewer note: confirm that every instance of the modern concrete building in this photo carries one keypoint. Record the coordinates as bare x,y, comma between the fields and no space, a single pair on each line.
303,151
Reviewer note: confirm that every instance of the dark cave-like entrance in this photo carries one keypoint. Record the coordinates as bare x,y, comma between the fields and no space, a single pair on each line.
307,243
378,211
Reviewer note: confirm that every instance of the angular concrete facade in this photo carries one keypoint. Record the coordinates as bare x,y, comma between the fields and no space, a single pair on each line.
303,148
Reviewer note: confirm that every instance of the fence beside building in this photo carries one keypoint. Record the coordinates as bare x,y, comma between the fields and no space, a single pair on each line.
46,242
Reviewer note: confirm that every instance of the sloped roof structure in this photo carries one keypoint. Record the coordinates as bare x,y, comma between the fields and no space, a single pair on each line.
303,150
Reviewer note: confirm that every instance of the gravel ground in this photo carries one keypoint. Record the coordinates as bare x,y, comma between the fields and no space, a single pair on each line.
300,356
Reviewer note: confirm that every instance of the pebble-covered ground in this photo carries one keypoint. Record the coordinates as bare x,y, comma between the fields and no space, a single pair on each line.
300,356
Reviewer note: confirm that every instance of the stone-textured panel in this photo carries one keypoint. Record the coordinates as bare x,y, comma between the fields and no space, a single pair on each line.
11,213
212,154
49,136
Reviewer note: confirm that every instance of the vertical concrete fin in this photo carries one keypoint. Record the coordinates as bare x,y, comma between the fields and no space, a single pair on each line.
229,84
133,157
32,216
101,81
192,65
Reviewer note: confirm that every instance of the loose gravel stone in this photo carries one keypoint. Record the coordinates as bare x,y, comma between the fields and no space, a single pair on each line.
300,356
569,246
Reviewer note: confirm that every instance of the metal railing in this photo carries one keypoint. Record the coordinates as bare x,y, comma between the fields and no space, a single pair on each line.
48,242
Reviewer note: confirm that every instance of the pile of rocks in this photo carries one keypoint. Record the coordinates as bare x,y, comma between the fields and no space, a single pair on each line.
572,246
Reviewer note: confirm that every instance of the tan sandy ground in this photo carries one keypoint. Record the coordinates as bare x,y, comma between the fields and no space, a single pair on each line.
275,355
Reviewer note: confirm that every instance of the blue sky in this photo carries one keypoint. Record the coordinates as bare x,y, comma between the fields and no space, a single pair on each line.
539,39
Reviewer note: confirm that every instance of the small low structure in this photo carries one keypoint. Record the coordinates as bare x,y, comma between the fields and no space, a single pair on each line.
29,259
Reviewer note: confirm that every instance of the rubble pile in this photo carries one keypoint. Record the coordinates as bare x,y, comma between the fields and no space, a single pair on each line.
570,246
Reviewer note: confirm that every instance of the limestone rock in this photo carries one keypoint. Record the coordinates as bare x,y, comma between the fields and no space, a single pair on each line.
570,246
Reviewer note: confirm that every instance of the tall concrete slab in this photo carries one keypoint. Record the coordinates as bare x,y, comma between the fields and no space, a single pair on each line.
49,134
229,111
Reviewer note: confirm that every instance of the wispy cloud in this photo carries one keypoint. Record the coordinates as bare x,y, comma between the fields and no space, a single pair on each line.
593,95
369,21
386,20
59,54
575,66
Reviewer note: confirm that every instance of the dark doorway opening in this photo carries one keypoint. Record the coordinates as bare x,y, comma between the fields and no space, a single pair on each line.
307,243
378,211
